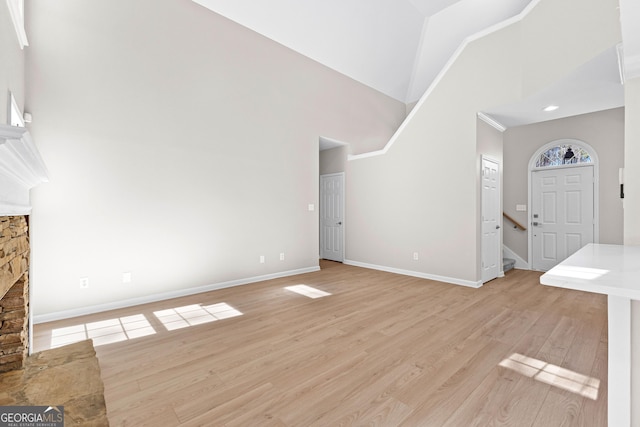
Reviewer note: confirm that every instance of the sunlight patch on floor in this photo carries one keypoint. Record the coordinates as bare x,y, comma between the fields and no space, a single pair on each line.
307,291
194,314
553,375
130,327
103,332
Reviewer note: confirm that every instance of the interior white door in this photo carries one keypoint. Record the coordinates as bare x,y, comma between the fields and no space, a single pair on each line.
491,216
562,214
332,217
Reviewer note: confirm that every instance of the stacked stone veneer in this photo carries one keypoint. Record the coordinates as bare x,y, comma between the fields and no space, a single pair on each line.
14,291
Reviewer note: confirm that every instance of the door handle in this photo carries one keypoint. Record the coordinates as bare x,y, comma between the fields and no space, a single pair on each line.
497,227
536,224
340,223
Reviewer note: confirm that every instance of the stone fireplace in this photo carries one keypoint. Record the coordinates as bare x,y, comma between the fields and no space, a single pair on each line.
14,292
47,377
21,168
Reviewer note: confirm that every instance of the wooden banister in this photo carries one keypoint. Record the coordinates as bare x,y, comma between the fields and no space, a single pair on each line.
516,224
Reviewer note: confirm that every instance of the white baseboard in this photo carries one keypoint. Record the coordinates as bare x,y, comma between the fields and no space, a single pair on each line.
520,263
66,314
452,280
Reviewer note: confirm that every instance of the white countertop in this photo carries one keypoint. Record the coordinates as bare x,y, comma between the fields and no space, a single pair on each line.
602,269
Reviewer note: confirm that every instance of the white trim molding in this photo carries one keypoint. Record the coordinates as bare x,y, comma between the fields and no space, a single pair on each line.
629,12
15,115
628,64
16,10
21,169
67,314
437,278
631,67
620,53
491,121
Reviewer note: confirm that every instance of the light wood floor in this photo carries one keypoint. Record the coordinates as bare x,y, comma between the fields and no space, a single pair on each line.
382,349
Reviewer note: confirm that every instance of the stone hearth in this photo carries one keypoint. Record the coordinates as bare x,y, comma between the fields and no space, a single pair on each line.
68,376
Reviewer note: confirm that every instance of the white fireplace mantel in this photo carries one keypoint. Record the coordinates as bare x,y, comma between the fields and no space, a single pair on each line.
21,169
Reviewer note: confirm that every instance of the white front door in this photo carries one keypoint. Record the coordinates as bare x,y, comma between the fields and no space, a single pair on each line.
562,214
332,217
491,216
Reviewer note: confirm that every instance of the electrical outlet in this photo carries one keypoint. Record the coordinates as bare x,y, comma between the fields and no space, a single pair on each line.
126,277
84,282
261,259
415,256
281,256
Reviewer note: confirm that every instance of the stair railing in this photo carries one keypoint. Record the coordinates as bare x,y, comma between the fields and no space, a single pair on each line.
516,224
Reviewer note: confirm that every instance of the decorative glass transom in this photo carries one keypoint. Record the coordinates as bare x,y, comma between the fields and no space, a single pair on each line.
565,154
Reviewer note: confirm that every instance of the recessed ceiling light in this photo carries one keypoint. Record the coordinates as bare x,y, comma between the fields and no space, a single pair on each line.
550,108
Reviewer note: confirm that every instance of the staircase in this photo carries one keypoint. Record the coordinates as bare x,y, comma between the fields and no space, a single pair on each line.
507,264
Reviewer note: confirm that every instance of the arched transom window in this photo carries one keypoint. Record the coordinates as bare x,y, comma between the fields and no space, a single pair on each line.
564,154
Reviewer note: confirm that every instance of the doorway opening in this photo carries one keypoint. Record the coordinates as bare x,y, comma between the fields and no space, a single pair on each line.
491,264
332,217
332,166
563,201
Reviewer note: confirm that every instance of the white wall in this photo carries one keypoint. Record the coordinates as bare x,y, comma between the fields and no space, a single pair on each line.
422,195
632,163
632,224
489,140
604,131
559,35
333,160
181,147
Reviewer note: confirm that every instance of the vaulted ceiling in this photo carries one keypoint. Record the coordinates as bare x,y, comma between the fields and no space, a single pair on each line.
395,46
398,47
